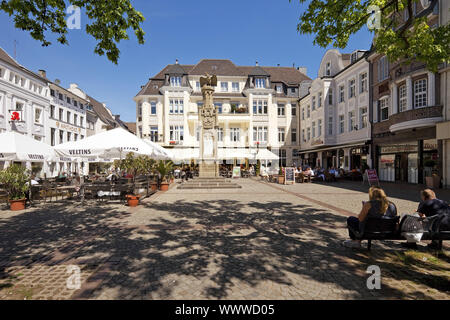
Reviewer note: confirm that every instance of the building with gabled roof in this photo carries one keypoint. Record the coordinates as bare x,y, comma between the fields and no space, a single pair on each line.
257,106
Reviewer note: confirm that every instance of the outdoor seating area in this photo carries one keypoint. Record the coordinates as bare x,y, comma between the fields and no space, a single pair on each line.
307,175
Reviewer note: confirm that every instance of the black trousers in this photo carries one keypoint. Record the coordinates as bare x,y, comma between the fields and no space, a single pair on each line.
352,224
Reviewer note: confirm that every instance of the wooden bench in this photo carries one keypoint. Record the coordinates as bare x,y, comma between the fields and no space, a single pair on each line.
386,228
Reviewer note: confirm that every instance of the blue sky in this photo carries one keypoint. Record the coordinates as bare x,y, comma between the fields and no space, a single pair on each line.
243,31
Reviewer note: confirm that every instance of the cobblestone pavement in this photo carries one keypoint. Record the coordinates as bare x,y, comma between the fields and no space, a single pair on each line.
264,241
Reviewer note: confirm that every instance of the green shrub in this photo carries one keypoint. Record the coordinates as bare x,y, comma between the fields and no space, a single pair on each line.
14,180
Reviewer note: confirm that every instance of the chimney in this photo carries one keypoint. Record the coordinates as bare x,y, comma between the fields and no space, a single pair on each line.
257,64
176,61
278,64
303,70
293,65
57,81
43,73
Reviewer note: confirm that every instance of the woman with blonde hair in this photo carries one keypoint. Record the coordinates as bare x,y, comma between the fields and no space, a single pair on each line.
377,206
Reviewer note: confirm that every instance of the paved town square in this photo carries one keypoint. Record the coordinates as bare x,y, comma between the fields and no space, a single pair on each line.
263,241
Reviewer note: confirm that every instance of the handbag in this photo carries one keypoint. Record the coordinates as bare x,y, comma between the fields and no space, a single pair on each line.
411,227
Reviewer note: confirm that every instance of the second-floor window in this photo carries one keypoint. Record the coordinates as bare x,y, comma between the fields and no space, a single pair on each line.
313,134
281,135
341,124
154,134
402,98
420,93
176,106
319,128
351,121
235,86
260,106
52,112
319,100
293,135
153,107
260,134
281,110
220,134
313,104
293,110
330,126
175,81
235,134
330,96
176,133
38,115
224,86
363,118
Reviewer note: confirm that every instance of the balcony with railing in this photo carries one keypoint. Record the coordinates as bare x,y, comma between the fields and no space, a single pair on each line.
416,118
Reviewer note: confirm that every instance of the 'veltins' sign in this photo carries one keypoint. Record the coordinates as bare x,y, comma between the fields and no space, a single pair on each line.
36,157
80,152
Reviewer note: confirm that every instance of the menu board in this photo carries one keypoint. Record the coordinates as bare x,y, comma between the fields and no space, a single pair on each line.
236,172
289,175
372,177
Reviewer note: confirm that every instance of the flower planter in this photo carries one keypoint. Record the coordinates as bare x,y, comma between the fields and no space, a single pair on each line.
154,186
132,201
164,186
281,179
17,205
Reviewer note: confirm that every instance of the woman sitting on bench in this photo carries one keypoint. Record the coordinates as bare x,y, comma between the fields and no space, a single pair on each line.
377,207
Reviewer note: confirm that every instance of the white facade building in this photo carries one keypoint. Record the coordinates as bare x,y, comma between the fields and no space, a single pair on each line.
257,106
66,122
24,96
334,115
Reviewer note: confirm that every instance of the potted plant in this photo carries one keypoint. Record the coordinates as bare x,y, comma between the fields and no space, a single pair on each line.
14,180
281,176
133,166
164,168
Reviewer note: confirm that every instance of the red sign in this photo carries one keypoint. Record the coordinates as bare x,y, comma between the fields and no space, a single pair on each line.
372,176
15,115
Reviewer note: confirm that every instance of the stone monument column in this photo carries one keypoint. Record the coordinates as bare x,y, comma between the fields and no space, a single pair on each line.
208,163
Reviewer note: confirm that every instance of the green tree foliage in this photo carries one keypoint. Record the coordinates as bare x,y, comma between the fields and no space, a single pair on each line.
109,21
334,21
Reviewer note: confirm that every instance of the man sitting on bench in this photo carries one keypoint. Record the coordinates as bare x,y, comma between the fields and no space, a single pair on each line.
377,207
431,206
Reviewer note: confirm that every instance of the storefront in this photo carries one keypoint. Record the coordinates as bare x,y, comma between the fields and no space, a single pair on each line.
408,162
359,158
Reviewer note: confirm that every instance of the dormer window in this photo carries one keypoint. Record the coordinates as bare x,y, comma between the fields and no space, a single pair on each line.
328,69
279,88
260,83
175,81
